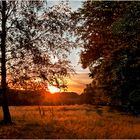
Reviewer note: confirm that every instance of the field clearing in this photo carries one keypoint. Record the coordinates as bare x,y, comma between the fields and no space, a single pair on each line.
66,122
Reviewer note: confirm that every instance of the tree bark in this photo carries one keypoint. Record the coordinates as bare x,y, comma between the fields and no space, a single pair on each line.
5,107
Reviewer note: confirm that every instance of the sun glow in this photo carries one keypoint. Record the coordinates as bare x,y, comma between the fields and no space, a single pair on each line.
53,89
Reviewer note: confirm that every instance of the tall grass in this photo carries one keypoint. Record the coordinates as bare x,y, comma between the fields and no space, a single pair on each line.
78,121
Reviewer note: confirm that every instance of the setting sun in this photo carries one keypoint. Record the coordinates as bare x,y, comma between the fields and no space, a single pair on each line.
53,89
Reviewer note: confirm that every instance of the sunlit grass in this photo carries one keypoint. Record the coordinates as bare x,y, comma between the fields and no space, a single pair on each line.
78,121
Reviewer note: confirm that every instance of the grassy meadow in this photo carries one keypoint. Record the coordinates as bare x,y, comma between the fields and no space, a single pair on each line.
73,121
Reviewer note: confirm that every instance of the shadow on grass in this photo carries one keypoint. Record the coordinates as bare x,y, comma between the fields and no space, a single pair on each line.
3,123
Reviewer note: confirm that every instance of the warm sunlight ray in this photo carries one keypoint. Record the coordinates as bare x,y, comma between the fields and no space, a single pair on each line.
53,89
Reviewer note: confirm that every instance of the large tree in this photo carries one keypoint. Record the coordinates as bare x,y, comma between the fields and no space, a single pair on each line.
34,45
109,35
7,117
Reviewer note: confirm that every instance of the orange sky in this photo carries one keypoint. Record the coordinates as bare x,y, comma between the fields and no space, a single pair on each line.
78,82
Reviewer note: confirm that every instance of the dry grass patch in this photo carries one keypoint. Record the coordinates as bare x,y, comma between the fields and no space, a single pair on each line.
78,121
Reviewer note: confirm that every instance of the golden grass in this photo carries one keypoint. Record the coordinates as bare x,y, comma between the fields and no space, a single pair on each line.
77,121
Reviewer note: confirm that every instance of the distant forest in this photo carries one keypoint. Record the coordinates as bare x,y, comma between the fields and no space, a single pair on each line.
28,97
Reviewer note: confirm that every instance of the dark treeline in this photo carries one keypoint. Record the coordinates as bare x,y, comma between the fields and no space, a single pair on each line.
28,97
38,97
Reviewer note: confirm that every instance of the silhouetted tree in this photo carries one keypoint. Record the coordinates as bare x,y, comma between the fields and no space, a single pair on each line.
34,45
6,113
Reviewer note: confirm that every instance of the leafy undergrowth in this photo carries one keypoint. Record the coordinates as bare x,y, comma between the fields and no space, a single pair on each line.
66,122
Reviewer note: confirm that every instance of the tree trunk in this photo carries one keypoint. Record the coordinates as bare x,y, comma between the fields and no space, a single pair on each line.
6,113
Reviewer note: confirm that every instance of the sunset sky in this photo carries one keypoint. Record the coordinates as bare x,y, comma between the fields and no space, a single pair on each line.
77,82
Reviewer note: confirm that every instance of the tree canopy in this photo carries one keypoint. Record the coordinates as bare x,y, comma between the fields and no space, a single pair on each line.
34,45
109,36
37,42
